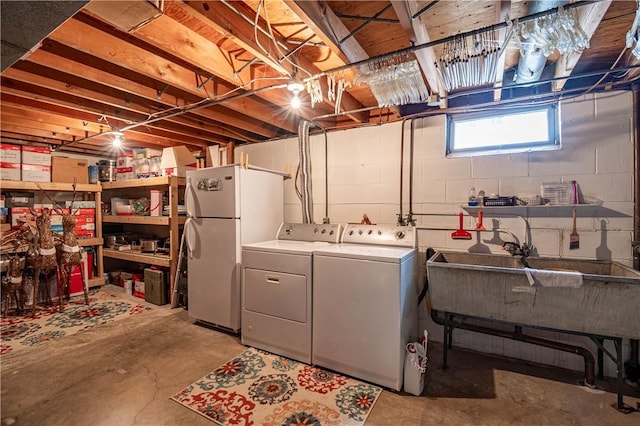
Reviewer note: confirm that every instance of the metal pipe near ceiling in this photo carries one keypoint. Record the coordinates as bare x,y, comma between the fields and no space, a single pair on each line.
195,107
364,24
532,61
417,47
326,219
636,176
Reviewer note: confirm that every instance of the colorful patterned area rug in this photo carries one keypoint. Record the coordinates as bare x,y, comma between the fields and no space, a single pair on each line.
25,331
259,388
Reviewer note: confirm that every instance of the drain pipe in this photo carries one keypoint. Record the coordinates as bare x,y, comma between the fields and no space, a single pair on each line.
400,215
636,175
304,153
410,220
632,365
516,334
326,219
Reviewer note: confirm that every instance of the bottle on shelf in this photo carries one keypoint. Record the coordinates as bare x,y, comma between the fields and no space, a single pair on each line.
473,201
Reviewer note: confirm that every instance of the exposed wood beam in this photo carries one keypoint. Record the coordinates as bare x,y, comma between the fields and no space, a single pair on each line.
417,32
503,9
180,41
325,24
219,114
86,148
227,22
183,129
330,29
92,41
32,102
121,116
589,18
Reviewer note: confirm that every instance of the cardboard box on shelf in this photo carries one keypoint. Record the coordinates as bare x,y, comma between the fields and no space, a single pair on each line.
124,159
10,154
124,173
177,160
36,173
76,286
140,153
19,199
68,170
138,289
10,171
213,156
81,204
180,171
36,155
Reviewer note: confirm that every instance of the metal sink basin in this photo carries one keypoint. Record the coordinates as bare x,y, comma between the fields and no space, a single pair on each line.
497,287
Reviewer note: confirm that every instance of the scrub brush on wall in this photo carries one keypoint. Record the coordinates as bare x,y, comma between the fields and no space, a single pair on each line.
461,234
574,238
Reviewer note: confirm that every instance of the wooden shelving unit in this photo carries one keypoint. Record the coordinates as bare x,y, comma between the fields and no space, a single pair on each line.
96,193
175,186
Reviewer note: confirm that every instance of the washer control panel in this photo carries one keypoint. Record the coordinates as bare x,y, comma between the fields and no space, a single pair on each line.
328,233
389,235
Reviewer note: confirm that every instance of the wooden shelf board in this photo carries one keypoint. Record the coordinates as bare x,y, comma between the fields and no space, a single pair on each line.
85,242
140,220
545,206
13,185
136,183
137,256
95,282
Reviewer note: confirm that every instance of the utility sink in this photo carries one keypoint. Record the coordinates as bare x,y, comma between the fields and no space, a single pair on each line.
497,287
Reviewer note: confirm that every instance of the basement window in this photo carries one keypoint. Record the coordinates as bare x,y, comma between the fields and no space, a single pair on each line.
503,131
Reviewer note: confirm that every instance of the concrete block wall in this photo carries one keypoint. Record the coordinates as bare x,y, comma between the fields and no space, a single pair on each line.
364,177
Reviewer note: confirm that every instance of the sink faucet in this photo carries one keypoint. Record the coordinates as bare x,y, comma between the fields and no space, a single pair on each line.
516,250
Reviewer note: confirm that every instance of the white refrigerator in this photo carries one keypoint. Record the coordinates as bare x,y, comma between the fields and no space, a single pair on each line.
227,207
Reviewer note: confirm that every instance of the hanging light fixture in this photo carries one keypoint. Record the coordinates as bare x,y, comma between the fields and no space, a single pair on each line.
295,87
117,138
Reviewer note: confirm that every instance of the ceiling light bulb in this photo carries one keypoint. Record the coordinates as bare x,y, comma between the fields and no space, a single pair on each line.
295,101
117,139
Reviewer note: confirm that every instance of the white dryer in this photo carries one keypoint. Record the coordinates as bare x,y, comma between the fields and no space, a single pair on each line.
365,303
277,289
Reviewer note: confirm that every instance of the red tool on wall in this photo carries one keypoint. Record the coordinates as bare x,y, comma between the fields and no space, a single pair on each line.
461,234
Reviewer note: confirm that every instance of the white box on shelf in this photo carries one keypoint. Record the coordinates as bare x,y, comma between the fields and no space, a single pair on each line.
10,171
177,160
10,154
213,156
37,155
36,173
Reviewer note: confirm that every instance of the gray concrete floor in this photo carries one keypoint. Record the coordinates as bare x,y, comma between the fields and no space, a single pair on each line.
124,372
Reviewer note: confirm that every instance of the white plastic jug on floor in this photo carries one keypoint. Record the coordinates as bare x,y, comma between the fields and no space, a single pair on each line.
415,366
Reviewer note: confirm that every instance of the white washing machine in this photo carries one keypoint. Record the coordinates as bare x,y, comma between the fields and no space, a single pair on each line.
365,302
277,289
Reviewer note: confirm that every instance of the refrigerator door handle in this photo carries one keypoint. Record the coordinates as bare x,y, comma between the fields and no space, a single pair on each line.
189,198
188,236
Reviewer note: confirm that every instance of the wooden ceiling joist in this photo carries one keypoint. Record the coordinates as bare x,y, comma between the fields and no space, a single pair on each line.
324,23
218,114
589,18
503,11
228,22
88,39
417,32
130,112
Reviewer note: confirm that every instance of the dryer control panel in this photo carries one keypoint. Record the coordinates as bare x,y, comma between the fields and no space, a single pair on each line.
328,233
387,235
